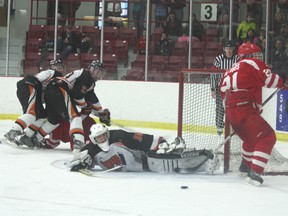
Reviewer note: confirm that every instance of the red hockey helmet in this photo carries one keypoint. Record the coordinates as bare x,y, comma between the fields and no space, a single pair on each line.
249,50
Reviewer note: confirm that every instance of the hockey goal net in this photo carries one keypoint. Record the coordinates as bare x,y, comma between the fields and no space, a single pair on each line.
197,122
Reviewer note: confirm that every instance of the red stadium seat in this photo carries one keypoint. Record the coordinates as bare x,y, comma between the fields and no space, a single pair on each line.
110,33
129,34
86,59
135,74
110,63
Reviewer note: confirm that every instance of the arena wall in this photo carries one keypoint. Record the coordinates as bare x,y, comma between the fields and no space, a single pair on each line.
134,104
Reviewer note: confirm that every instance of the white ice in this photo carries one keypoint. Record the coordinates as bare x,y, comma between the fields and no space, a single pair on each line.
32,184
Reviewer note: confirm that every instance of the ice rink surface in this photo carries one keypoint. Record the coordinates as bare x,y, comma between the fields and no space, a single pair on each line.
35,183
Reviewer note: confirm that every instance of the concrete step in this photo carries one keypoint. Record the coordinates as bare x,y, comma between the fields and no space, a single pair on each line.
12,63
13,71
13,41
12,56
12,49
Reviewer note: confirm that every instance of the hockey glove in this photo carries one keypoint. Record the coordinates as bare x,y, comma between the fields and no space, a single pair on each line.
82,160
87,109
104,117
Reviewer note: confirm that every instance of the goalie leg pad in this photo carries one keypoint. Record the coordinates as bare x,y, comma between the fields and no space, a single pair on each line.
189,161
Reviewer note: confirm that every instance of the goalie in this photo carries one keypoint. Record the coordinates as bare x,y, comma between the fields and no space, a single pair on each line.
141,152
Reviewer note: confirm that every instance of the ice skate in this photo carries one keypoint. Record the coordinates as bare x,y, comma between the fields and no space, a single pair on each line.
244,168
253,178
30,142
78,145
11,137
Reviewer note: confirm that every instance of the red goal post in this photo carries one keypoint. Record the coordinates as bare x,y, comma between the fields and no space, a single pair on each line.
197,122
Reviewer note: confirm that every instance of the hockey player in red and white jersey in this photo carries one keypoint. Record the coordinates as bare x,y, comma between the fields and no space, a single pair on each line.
29,93
241,88
63,97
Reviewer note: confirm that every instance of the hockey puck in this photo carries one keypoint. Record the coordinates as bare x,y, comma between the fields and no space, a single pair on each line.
184,187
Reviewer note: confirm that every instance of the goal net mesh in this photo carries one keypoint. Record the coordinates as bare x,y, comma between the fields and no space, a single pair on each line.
198,125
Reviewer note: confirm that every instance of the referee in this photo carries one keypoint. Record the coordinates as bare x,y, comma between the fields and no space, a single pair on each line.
223,61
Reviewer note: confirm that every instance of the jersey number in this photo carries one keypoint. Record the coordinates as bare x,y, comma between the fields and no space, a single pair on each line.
229,82
113,161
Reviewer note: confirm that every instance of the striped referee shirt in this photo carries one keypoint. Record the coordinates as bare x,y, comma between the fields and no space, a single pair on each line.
221,62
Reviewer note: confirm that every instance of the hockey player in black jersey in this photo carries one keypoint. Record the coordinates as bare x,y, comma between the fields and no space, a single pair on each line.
62,96
140,152
29,93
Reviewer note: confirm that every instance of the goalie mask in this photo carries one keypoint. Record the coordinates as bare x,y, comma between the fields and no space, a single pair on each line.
249,50
57,65
99,135
97,70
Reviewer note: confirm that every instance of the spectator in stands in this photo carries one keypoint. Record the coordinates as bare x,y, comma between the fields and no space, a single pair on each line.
177,6
113,12
262,35
67,11
185,36
284,33
244,26
279,59
67,43
172,26
279,20
252,36
235,8
161,12
138,14
286,49
223,28
163,46
283,6
86,44
47,46
141,43
255,9
197,28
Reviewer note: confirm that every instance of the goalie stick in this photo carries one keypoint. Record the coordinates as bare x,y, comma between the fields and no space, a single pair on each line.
228,138
92,173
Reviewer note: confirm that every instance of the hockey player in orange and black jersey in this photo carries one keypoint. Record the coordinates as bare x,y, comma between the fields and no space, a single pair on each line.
29,93
62,96
241,88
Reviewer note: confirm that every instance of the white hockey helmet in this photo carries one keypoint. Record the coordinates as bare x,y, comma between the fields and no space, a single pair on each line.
99,135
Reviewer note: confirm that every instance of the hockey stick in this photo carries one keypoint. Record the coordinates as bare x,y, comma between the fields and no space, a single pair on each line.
228,138
92,173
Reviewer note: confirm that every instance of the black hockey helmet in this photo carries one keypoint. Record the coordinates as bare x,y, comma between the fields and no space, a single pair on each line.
57,65
97,70
229,43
